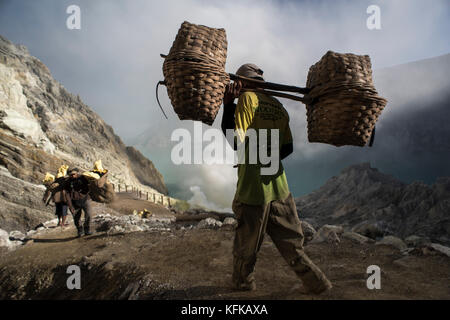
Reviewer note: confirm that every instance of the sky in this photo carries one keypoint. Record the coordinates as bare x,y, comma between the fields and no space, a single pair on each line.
113,61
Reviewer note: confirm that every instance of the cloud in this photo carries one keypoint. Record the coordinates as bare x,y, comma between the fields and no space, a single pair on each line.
199,200
113,61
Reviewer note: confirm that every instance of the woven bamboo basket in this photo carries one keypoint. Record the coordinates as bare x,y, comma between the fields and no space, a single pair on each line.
101,190
194,72
343,104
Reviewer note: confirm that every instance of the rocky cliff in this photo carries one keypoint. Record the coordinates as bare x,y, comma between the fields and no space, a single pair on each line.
144,170
361,198
43,126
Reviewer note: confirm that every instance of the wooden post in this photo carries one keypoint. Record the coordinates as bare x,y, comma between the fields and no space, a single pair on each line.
162,199
140,194
168,200
147,195
154,198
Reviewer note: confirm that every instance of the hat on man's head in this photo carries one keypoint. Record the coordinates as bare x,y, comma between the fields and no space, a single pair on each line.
74,170
250,70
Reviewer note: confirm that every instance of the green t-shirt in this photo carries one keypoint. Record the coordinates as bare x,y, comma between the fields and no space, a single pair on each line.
260,111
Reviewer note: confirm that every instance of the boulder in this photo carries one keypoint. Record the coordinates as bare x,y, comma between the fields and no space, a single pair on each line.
337,229
440,248
328,233
116,230
133,228
308,231
4,239
415,241
162,220
370,230
209,223
30,233
51,224
229,223
393,241
104,226
356,237
333,238
16,235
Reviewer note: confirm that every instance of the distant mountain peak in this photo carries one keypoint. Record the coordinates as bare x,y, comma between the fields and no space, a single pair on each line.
363,175
362,194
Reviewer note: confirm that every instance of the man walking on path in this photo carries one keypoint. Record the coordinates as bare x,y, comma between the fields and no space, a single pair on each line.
79,200
263,203
58,195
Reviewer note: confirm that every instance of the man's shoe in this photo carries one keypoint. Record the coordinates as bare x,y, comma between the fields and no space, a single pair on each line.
87,233
321,287
245,286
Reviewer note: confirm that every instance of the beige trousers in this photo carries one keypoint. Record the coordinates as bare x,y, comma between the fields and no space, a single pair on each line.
280,221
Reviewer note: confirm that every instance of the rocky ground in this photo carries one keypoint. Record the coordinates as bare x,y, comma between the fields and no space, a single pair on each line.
163,254
21,203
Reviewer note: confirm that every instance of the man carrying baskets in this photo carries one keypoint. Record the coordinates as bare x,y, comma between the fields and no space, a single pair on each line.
263,203
79,200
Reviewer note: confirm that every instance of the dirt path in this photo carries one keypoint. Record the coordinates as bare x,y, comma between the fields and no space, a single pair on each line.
196,264
126,203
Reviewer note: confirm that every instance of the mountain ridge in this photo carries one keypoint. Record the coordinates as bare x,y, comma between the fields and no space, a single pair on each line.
43,126
361,196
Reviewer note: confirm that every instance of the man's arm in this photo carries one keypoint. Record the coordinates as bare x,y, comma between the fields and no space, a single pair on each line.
287,147
229,107
228,120
68,199
46,196
286,150
66,189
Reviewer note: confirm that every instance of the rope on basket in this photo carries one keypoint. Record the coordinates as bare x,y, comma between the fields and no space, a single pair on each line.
157,98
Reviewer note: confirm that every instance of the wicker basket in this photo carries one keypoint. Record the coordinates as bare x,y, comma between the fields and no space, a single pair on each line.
344,105
194,72
101,190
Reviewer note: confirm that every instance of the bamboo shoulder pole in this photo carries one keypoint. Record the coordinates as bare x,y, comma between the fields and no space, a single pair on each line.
268,85
279,94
